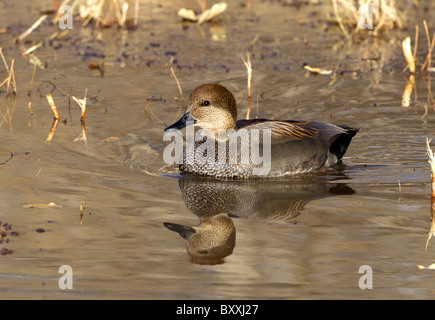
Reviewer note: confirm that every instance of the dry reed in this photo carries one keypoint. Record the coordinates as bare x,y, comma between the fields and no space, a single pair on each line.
430,44
30,30
248,66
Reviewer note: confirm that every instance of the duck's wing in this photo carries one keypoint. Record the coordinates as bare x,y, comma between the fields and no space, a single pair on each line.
281,130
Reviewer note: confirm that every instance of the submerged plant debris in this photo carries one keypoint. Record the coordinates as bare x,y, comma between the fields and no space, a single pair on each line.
6,231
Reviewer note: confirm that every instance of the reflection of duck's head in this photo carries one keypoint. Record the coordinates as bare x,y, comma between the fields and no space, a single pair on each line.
209,242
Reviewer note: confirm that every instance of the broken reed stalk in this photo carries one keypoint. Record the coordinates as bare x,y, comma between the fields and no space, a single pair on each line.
30,30
248,66
31,49
407,52
416,42
178,84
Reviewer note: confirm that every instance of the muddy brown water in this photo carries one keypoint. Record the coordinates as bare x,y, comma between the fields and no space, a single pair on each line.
296,238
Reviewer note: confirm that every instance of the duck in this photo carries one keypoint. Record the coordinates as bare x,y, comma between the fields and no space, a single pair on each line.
223,147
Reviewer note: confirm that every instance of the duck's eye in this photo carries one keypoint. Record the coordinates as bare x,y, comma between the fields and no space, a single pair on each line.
206,103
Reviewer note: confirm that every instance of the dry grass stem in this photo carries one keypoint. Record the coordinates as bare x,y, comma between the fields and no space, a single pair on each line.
29,92
30,30
178,84
11,80
416,42
428,60
248,66
4,81
31,49
4,60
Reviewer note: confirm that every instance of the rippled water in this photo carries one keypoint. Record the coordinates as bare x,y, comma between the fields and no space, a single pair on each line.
295,238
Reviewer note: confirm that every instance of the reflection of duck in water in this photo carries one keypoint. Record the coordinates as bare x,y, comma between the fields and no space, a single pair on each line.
215,202
209,242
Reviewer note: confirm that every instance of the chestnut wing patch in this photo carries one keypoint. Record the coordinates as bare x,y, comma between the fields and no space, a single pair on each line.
292,130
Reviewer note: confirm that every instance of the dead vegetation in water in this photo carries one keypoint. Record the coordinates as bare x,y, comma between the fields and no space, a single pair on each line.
375,16
412,64
6,232
9,81
205,15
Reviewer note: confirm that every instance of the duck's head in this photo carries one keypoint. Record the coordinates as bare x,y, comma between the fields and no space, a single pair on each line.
211,107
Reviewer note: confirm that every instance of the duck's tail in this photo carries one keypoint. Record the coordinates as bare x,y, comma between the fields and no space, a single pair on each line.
341,143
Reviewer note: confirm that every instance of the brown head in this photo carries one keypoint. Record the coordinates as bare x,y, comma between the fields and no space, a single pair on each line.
211,106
